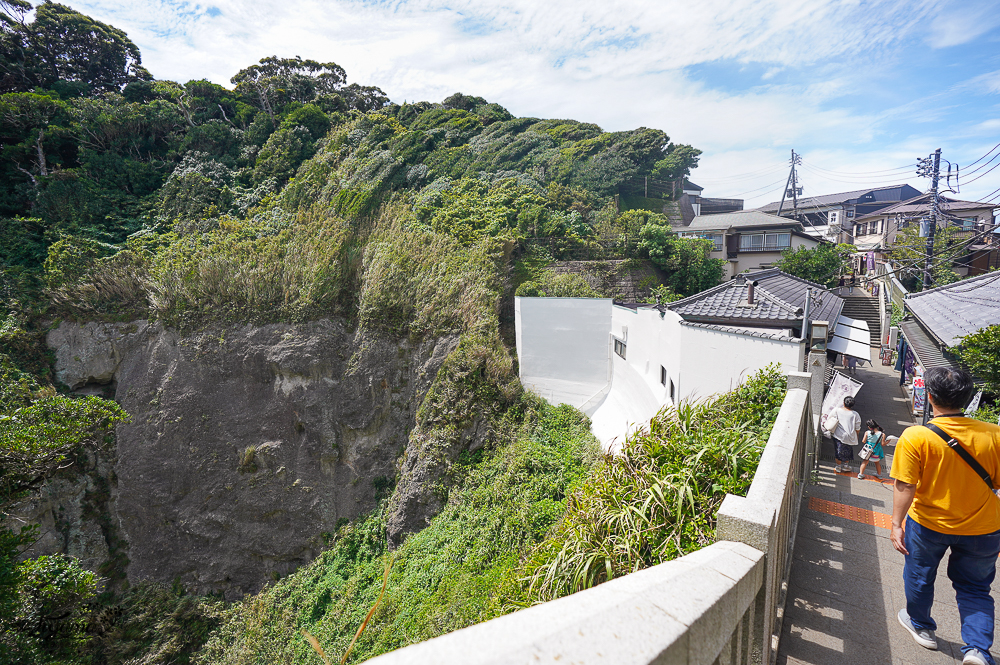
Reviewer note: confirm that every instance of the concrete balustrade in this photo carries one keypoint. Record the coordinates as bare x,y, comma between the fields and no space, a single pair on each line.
720,605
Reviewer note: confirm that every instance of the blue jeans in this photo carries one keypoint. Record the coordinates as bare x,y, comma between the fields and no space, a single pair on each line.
971,569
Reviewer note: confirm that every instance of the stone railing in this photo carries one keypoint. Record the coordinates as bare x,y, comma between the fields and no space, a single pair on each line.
721,604
892,287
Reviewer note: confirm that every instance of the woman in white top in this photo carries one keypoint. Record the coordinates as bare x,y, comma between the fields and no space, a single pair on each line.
845,434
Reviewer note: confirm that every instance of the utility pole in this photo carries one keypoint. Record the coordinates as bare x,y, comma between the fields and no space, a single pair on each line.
791,187
930,167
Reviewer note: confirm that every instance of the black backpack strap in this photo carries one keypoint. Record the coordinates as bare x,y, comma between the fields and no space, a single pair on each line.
963,453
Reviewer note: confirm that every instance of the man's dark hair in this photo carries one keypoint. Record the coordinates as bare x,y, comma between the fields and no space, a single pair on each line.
849,402
951,388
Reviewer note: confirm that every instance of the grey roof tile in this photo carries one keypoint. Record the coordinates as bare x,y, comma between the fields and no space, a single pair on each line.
780,300
738,219
830,199
952,311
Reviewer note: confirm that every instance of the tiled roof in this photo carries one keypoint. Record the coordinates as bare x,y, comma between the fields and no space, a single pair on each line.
928,352
828,199
825,306
737,220
749,332
780,299
952,311
922,204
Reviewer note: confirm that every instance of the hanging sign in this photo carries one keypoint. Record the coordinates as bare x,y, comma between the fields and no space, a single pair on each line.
974,404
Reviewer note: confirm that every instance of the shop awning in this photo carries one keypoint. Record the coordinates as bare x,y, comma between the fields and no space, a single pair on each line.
849,347
855,334
860,324
924,348
851,337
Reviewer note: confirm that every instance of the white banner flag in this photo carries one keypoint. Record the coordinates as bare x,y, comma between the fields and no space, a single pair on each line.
974,404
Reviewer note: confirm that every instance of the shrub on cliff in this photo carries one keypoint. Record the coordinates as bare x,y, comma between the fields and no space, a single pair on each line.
659,497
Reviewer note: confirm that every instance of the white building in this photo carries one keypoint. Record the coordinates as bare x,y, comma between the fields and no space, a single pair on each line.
621,363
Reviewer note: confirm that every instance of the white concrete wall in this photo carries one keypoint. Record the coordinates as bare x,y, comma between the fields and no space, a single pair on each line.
716,362
563,347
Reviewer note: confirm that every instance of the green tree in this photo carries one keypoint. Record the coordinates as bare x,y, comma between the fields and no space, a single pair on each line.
64,49
687,261
677,163
821,264
276,81
980,353
908,252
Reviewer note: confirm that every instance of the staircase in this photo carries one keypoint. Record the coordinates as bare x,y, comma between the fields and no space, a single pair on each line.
863,306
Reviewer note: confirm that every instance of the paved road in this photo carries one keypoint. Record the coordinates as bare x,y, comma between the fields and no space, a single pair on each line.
846,584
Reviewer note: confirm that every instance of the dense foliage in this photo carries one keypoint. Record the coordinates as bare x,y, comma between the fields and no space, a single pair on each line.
292,196
909,251
445,577
822,264
980,353
658,498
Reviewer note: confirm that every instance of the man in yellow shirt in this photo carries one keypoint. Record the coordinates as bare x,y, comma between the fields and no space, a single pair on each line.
946,504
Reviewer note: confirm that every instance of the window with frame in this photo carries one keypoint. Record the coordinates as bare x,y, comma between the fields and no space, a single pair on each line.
620,348
663,375
969,223
850,213
673,399
764,242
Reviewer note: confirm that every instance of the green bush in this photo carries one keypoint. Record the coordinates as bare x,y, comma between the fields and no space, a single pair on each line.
449,575
659,497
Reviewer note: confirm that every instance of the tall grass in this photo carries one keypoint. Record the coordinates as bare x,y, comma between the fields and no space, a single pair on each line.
453,573
659,497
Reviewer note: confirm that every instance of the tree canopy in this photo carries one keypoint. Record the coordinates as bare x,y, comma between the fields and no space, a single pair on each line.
821,264
63,50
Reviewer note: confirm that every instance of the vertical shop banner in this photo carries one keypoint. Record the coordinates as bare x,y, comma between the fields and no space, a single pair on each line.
974,404
919,394
841,386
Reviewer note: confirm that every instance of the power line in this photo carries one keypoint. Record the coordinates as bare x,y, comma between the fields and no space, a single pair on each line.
760,188
908,167
985,172
984,156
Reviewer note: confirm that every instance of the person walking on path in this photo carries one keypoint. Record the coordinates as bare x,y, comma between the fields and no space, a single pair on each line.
874,438
843,424
840,285
941,501
851,284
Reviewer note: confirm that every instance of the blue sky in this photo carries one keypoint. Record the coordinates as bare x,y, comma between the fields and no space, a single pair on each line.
859,88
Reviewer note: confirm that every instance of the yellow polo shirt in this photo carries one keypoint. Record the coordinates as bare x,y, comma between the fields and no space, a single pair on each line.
950,497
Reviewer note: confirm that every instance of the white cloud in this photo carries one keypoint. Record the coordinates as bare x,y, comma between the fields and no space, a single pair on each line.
621,65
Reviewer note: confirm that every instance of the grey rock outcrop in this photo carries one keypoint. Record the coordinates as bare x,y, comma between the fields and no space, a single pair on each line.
247,444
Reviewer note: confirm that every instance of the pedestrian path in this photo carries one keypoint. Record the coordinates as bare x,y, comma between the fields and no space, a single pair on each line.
846,584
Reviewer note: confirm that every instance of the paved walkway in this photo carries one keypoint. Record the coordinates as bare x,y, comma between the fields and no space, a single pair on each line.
846,584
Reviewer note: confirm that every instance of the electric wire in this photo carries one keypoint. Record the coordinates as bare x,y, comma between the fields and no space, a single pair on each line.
861,173
984,156
985,172
773,184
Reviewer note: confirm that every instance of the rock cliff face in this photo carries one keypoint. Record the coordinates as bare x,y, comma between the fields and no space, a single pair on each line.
246,445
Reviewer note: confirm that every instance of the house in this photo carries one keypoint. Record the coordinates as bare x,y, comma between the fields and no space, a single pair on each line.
831,216
877,231
748,239
620,363
702,205
940,317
